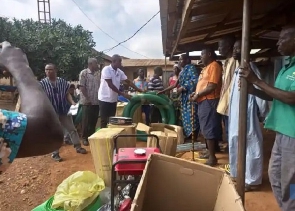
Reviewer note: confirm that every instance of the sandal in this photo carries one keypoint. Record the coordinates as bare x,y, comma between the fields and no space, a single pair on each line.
81,150
211,163
204,155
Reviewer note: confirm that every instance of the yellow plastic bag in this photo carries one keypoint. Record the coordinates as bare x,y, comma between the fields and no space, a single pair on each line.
78,191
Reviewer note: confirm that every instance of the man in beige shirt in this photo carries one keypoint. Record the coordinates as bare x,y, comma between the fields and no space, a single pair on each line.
225,47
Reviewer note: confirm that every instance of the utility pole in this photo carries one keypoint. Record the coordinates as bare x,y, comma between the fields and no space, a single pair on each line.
44,15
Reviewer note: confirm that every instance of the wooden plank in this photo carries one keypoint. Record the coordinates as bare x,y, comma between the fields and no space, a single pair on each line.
185,19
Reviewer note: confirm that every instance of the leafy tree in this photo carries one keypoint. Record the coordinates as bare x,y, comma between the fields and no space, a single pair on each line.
60,43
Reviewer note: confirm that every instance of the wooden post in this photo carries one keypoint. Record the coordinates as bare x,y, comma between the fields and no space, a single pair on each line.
242,142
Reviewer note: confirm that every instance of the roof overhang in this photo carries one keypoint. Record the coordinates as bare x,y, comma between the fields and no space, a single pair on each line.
192,25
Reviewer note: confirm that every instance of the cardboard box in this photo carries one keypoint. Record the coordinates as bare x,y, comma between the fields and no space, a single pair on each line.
102,150
177,129
120,108
167,139
172,184
144,128
127,142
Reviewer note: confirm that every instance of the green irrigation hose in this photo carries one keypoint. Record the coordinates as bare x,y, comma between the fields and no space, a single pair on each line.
162,102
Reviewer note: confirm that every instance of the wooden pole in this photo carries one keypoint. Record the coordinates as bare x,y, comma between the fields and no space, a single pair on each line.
242,142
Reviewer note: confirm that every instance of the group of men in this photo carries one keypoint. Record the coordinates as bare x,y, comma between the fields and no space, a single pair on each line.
217,95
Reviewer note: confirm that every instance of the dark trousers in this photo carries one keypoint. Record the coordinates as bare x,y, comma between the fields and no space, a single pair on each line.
89,119
107,110
146,109
155,115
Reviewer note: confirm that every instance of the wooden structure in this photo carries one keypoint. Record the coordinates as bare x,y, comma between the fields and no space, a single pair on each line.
44,14
191,25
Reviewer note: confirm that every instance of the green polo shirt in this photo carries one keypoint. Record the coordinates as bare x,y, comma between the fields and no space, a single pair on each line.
281,117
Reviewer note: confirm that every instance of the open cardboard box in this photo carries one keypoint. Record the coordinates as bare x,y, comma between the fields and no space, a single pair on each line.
170,184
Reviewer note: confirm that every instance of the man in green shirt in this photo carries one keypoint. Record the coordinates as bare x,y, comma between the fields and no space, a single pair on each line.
281,119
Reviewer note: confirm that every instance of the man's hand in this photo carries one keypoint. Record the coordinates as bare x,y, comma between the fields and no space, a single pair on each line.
11,56
160,92
193,97
127,96
248,73
179,90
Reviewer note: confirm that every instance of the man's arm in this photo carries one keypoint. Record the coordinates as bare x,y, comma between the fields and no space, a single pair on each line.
287,97
209,89
261,94
70,99
113,87
82,83
129,83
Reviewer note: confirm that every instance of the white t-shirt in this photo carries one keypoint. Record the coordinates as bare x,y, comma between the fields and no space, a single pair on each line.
105,93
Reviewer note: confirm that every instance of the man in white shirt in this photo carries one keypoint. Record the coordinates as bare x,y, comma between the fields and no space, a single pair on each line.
111,77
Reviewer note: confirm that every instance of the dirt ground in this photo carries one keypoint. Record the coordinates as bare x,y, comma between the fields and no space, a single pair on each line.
30,181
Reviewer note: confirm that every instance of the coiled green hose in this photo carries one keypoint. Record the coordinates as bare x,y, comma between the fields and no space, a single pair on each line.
162,102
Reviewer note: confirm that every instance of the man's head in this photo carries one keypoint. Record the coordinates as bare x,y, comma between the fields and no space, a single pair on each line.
51,71
207,56
237,50
116,61
225,46
158,71
184,59
92,64
72,89
140,73
286,43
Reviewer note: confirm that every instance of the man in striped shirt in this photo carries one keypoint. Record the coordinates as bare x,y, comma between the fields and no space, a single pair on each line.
57,90
156,84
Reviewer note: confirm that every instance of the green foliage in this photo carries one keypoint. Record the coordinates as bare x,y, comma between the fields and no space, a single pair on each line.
60,43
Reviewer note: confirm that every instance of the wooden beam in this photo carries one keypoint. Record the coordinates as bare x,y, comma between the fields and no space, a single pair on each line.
185,19
243,103
268,54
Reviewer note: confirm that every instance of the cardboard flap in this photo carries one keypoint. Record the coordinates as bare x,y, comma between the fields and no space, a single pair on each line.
225,193
175,184
143,127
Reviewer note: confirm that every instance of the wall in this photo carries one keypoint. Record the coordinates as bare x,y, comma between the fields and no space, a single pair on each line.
131,72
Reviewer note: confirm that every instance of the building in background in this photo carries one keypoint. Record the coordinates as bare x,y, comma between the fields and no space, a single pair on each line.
130,67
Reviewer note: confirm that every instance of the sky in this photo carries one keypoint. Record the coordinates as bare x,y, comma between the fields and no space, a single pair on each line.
119,18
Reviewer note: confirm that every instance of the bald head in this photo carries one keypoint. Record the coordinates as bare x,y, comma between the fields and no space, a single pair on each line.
225,45
116,61
92,64
286,43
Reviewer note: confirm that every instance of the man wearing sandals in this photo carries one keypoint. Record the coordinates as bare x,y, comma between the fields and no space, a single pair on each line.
207,96
57,90
280,119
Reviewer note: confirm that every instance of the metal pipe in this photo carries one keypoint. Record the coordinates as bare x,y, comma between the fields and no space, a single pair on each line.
242,141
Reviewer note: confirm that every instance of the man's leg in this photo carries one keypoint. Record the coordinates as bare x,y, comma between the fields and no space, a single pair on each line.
282,171
85,123
94,111
105,113
210,126
274,169
146,111
67,122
